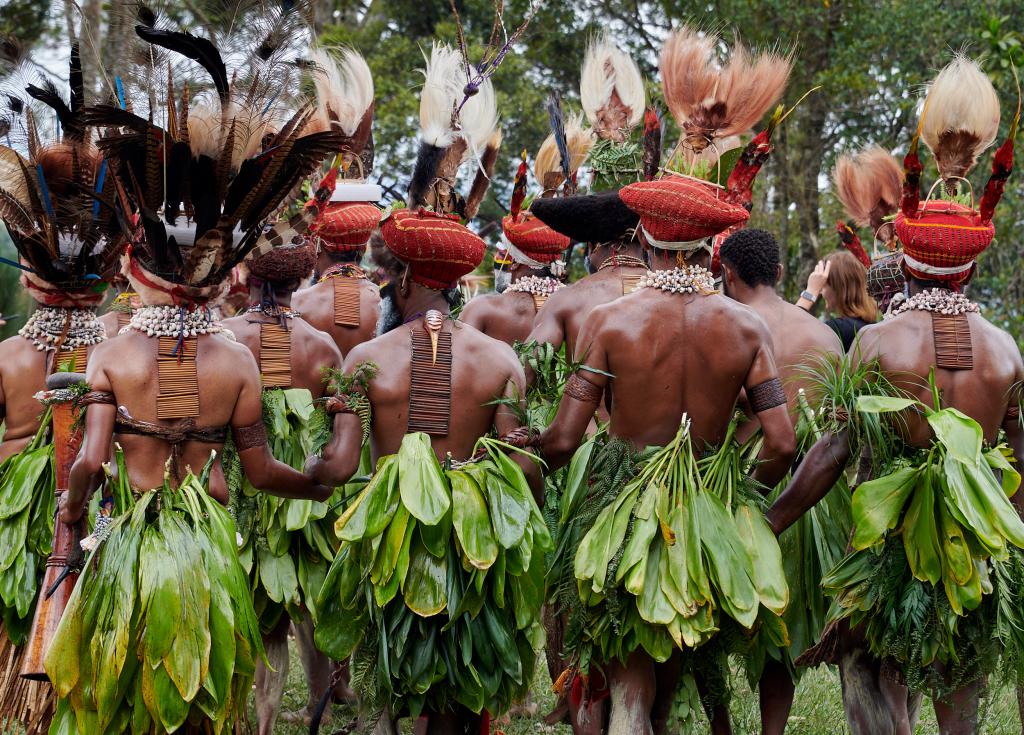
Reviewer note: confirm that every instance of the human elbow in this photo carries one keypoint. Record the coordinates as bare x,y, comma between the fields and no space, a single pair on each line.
782,446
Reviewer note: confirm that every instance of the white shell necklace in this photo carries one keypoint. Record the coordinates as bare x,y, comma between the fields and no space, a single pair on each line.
536,285
173,321
71,328
691,279
938,301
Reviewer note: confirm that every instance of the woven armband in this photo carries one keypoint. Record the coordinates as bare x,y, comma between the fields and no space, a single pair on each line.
95,398
582,390
248,437
766,395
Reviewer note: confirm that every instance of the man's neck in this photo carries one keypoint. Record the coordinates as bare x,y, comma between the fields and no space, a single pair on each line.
604,253
520,273
282,298
754,295
915,287
421,300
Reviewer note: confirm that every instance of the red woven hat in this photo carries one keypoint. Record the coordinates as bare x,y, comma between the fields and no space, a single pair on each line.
942,241
346,226
534,238
680,209
437,249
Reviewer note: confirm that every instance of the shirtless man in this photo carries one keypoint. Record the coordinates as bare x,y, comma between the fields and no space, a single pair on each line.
483,372
309,355
338,269
751,270
670,354
614,259
535,259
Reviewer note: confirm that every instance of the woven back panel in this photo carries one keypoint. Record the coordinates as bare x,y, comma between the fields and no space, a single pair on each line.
952,333
430,392
346,301
178,393
275,356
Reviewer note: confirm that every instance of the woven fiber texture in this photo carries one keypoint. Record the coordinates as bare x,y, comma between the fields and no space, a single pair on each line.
290,262
944,235
346,226
437,249
534,238
681,209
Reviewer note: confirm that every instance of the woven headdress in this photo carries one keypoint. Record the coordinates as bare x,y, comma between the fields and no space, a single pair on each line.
56,197
206,179
344,89
709,103
455,127
959,120
868,184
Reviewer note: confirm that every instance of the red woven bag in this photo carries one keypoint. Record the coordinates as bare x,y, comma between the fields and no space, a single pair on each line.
534,238
943,235
681,209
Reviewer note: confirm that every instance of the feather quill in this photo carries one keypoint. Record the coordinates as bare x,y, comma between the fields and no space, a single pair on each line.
611,89
962,118
200,50
557,119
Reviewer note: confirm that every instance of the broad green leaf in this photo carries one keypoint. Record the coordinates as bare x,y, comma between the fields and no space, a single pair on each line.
390,548
509,504
424,585
471,520
877,505
763,549
1010,476
959,434
277,573
421,483
675,582
921,533
728,564
645,525
957,564
158,590
372,508
576,480
604,539
884,404
20,477
972,512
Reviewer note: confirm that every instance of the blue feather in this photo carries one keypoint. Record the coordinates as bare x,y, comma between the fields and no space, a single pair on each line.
44,189
119,85
554,106
99,188
16,264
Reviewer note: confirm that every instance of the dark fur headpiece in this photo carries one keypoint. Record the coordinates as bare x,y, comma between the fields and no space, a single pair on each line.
594,218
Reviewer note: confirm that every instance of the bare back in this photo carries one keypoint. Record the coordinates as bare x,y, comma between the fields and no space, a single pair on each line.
23,371
673,354
905,347
126,366
507,317
565,313
316,305
312,352
483,369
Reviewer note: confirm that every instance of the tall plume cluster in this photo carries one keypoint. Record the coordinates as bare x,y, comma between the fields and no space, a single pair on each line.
344,92
869,184
453,129
215,157
611,90
712,101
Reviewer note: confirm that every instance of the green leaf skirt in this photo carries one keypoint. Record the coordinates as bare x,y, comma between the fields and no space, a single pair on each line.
437,588
160,632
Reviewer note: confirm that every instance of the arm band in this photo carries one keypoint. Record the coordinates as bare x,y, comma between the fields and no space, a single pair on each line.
766,395
248,437
582,390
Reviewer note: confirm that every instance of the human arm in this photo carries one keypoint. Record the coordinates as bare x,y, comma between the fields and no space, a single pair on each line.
581,398
548,327
815,283
818,472
506,421
767,401
474,313
260,467
1013,427
87,471
339,460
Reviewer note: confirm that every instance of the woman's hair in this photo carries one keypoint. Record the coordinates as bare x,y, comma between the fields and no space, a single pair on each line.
848,279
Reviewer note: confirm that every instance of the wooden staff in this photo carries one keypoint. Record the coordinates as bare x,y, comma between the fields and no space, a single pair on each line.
58,579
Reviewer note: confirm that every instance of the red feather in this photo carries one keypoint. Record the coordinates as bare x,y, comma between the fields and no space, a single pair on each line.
1002,165
740,187
849,240
912,181
519,189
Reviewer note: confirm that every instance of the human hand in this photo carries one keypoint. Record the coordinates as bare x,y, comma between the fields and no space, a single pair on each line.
69,513
818,278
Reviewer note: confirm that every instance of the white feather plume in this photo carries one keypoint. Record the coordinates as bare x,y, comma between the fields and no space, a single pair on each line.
607,69
344,87
444,81
479,119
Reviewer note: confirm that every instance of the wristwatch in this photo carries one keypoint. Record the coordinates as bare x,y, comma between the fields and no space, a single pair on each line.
809,296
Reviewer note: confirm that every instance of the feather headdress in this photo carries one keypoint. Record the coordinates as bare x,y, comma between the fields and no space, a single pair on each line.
344,92
550,166
869,185
611,90
711,102
453,128
960,119
206,179
56,198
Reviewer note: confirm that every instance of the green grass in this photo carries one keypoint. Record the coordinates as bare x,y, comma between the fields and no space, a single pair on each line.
818,709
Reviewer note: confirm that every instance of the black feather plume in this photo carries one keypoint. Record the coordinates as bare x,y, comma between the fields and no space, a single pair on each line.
557,119
198,49
145,16
49,96
601,217
428,158
76,80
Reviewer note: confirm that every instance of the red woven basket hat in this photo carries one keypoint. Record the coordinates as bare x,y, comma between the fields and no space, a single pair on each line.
678,209
437,249
534,238
346,226
943,240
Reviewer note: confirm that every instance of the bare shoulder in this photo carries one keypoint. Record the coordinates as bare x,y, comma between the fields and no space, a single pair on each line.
999,337
13,346
479,305
744,321
815,331
371,350
319,344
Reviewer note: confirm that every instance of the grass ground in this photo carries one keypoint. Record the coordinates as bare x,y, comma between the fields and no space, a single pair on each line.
817,710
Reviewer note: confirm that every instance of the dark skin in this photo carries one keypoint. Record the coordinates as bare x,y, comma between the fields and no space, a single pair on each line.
670,354
316,304
905,349
23,371
508,316
797,340
229,395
